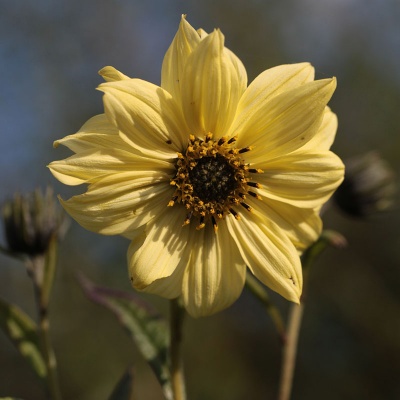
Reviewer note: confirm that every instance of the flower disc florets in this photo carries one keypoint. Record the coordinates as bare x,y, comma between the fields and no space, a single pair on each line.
211,178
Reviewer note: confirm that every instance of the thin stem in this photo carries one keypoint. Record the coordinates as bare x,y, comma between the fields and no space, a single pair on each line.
35,271
49,356
290,351
177,376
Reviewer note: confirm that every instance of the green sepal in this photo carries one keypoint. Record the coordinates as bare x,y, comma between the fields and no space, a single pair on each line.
147,329
23,332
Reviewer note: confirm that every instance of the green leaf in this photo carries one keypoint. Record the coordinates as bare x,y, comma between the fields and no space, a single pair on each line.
123,390
146,328
23,332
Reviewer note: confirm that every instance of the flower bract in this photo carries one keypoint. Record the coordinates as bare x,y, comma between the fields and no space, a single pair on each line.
205,174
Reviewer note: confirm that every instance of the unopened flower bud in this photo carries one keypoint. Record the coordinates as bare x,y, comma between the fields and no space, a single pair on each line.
368,186
31,221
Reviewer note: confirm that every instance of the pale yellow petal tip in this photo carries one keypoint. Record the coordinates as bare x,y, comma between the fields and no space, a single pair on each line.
111,74
306,66
303,65
140,287
107,87
202,33
56,143
292,296
295,294
216,38
332,84
62,202
184,22
291,289
295,300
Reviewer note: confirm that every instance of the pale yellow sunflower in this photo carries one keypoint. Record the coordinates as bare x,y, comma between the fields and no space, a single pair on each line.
205,174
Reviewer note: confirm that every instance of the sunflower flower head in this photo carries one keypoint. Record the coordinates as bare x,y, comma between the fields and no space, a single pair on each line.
205,174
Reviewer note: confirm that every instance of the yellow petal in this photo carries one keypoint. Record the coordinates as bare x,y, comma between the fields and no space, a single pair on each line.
185,40
325,135
215,276
269,84
169,287
90,165
97,133
302,226
211,87
269,254
163,250
286,122
147,117
202,33
118,205
240,69
301,179
110,74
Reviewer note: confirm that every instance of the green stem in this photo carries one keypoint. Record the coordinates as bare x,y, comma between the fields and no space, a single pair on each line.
262,295
177,376
36,268
49,356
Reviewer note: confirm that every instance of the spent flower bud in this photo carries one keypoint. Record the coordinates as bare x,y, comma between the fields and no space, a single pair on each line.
31,221
368,186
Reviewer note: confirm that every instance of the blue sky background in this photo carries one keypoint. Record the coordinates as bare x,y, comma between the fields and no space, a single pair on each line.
50,52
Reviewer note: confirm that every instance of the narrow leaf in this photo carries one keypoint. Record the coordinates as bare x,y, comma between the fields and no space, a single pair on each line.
23,332
146,328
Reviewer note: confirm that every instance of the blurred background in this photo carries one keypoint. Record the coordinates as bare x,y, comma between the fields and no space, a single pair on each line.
50,52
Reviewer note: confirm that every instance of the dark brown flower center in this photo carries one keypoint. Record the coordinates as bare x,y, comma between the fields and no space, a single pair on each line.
212,179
